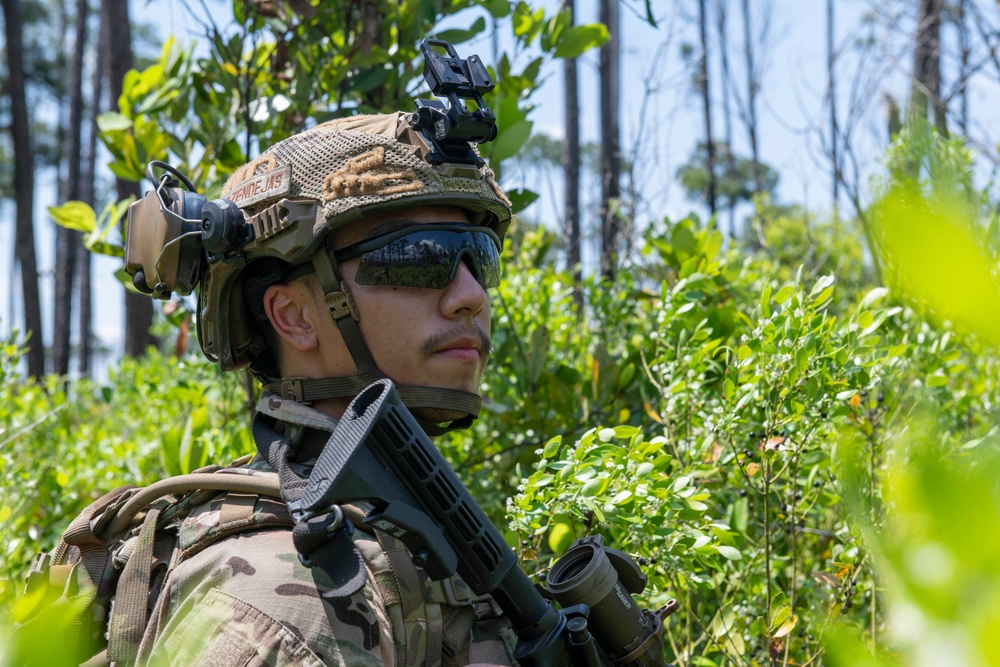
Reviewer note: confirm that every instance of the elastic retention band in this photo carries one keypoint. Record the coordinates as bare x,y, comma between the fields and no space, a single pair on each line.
435,397
308,390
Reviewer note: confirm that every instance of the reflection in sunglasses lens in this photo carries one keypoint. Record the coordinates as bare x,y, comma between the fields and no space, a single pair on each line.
429,258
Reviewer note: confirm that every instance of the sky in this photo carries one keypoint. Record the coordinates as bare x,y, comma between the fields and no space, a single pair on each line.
661,116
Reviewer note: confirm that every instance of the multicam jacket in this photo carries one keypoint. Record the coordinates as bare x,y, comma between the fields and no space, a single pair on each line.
238,594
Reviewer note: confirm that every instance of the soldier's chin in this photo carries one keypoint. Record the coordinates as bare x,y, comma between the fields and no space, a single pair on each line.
438,415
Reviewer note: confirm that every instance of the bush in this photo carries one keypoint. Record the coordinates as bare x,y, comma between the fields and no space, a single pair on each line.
752,443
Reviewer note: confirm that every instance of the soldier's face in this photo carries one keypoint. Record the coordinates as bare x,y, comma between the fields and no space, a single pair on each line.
417,335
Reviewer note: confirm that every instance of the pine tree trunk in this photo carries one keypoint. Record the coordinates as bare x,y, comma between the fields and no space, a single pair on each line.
610,156
68,241
751,121
925,97
138,307
726,116
87,195
832,96
571,167
965,52
751,97
24,186
706,98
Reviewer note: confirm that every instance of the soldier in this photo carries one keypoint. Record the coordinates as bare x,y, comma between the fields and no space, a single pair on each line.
355,253
368,262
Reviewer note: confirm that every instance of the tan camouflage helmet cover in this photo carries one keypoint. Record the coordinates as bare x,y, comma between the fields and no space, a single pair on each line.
301,188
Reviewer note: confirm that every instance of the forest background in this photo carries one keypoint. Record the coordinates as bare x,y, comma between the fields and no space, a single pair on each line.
787,414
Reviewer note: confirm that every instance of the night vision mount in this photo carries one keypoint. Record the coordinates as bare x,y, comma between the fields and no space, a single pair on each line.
450,127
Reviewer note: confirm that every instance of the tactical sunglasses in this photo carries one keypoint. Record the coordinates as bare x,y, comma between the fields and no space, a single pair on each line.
426,256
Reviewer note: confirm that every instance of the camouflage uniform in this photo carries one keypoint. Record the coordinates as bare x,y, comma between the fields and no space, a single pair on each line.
245,599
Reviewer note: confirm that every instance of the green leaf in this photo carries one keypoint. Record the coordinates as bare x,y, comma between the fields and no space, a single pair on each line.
732,553
625,431
822,290
622,497
781,616
538,352
510,141
652,21
74,215
498,9
560,538
526,23
728,389
765,301
873,297
937,379
581,38
784,294
552,447
457,36
786,627
112,121
521,199
723,621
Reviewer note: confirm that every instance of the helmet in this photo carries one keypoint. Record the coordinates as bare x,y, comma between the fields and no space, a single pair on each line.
302,188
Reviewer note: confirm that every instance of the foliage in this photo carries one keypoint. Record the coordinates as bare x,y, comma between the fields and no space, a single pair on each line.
62,447
694,413
803,458
794,239
735,178
277,74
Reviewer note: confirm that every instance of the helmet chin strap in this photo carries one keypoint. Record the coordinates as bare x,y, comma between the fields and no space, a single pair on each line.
345,316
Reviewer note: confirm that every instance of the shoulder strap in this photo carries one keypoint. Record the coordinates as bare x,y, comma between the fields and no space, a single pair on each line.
430,619
81,567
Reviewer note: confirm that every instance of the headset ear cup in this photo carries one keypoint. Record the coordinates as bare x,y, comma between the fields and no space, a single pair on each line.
222,226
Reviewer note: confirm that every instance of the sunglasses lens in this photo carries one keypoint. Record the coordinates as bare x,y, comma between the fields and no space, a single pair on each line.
429,258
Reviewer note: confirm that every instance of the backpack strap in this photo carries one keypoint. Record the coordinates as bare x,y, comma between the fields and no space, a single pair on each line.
262,484
129,618
81,563
430,619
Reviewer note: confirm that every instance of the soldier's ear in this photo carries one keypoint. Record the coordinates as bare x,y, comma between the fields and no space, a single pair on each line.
291,310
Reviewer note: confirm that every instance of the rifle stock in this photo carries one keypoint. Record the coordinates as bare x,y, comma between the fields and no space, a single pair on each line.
379,453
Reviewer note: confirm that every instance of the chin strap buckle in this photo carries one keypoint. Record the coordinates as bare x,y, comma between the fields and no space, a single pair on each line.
341,304
293,389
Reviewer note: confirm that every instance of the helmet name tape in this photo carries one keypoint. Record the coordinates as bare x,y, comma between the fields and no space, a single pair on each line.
269,185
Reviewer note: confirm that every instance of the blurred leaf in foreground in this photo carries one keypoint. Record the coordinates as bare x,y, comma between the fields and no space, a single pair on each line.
937,254
937,552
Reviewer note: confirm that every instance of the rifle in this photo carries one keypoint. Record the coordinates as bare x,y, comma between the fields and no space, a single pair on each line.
379,453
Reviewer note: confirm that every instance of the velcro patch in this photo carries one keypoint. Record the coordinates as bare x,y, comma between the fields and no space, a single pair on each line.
270,185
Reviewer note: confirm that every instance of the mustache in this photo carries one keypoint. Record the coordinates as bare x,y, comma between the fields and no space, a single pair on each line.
445,337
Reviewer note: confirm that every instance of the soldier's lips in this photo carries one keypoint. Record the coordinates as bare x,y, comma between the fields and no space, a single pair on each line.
462,353
464,348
